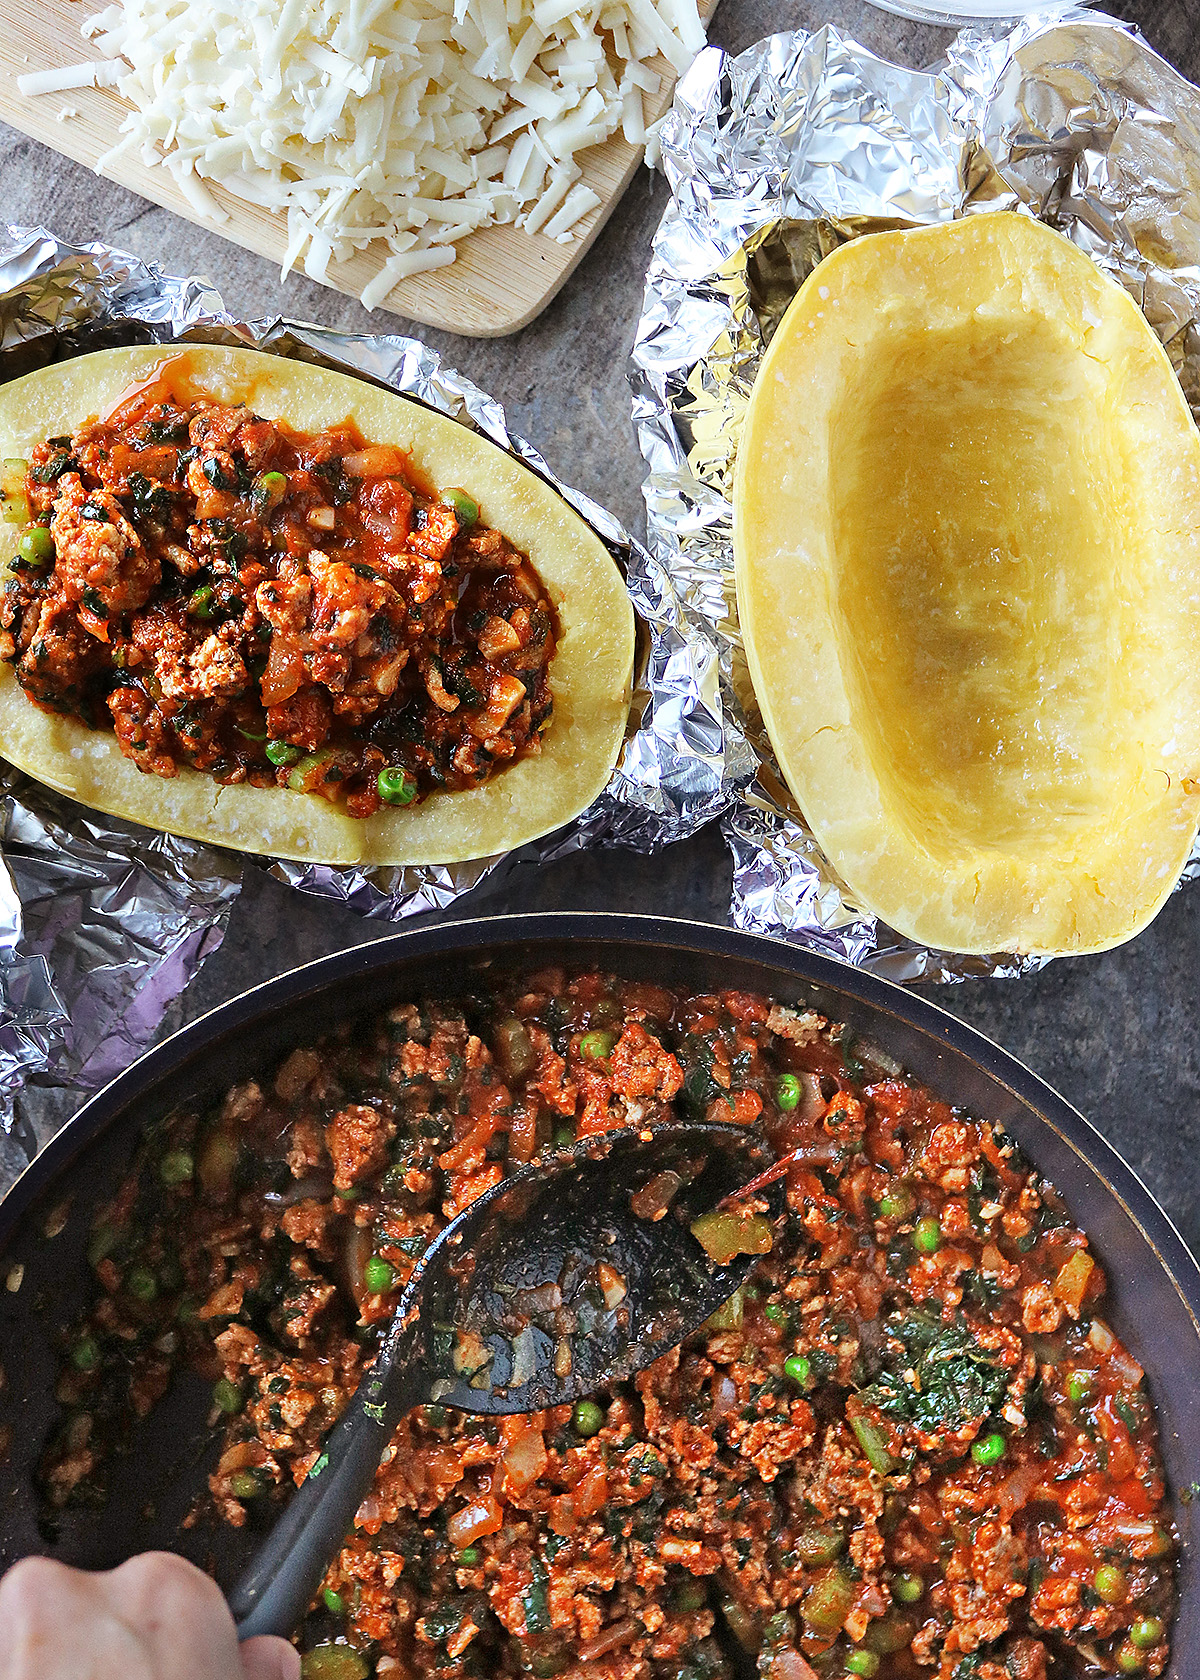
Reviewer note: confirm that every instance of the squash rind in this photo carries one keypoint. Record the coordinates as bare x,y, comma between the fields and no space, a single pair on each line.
967,553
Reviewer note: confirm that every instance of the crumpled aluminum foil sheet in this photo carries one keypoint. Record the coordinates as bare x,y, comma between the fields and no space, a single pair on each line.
776,156
103,922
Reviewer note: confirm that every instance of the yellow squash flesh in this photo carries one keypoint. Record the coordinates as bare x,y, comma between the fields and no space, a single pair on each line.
590,674
967,538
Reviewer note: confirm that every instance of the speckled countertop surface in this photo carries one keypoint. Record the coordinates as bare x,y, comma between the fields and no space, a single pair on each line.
1115,1033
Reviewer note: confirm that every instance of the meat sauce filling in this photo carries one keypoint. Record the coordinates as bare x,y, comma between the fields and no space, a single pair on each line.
909,1446
273,607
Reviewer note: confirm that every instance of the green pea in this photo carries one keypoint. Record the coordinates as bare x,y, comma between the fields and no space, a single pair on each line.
798,1368
1129,1659
1109,1582
595,1046
282,752
227,1396
787,1092
1079,1387
85,1355
776,1313
587,1418
176,1167
564,1137
468,1556
141,1283
269,493
379,1275
36,547
396,786
862,1662
246,1484
927,1236
466,508
907,1588
989,1449
896,1202
334,1602
1148,1630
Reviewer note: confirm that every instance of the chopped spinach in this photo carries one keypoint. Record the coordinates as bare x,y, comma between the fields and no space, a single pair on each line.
957,1381
150,500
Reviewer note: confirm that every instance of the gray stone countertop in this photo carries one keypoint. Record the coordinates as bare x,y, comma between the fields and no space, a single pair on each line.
1115,1033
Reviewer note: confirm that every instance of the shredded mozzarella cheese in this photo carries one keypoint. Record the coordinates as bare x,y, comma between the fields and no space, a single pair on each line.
413,122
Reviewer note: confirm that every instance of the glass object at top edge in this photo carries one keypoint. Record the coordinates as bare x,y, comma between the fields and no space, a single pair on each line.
971,11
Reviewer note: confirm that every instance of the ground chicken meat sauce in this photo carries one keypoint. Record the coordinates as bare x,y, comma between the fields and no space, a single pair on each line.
269,606
909,1446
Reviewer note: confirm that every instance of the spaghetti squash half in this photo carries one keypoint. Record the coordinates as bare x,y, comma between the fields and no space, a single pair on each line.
967,537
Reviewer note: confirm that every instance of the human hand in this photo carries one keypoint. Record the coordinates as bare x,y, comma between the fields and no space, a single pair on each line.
157,1617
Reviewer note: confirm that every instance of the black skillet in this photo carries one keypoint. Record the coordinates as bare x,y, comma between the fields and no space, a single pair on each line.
1154,1299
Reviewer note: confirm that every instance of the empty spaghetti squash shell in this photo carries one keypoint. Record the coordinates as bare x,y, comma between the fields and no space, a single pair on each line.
967,534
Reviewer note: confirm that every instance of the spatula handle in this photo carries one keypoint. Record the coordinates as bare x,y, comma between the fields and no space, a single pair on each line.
278,1587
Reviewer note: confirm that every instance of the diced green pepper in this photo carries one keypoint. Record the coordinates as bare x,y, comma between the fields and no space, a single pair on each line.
726,1233
176,1167
828,1603
310,773
873,1442
821,1543
334,1662
379,1275
729,1314
227,1396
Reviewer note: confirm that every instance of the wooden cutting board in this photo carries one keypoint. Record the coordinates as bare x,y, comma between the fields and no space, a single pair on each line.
500,280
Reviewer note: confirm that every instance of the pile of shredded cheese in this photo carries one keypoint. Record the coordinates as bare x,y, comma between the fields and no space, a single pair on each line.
408,121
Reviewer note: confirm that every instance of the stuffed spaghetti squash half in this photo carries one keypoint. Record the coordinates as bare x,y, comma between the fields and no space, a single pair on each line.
266,605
